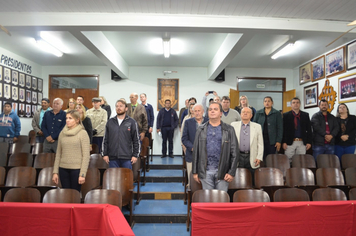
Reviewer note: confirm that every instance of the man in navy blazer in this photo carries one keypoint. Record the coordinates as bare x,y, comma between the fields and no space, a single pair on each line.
190,128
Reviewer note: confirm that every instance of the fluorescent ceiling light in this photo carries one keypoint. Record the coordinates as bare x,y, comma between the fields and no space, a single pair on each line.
283,50
166,48
48,48
56,39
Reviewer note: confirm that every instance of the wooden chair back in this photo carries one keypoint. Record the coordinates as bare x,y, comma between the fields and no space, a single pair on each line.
97,161
2,176
4,149
43,160
210,195
251,195
352,194
328,161
303,161
144,149
92,181
94,149
20,147
348,160
329,194
104,196
32,137
350,176
120,179
64,195
136,169
45,177
37,148
268,176
299,177
290,195
23,139
279,161
21,176
329,176
20,159
243,179
194,185
22,195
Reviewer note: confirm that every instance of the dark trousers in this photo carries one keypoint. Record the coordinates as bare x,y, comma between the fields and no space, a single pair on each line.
98,141
70,178
167,133
268,149
244,162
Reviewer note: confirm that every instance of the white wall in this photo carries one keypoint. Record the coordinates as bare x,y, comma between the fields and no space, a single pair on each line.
37,72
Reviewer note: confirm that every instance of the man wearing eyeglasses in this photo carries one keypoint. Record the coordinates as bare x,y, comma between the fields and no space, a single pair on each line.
250,139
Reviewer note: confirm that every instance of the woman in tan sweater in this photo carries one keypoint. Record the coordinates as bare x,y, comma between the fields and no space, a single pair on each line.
72,157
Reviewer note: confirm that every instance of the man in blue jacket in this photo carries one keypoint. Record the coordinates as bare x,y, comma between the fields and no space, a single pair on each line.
52,124
121,145
190,128
10,125
167,121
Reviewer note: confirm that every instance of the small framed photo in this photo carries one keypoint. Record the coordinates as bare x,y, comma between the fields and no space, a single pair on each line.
15,77
34,109
21,94
28,81
22,110
311,96
28,110
28,96
335,62
351,55
34,97
347,90
15,93
39,85
0,91
7,91
305,73
39,98
15,107
7,78
34,83
22,80
1,73
318,68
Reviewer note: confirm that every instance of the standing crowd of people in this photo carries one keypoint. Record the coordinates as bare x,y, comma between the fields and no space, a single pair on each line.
215,138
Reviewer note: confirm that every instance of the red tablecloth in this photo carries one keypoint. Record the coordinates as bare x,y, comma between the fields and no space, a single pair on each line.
274,218
62,219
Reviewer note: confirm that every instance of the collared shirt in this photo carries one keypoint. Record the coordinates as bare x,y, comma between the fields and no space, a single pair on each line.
98,119
52,124
245,137
226,112
213,146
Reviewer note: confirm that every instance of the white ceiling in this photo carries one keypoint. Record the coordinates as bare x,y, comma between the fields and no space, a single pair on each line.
122,31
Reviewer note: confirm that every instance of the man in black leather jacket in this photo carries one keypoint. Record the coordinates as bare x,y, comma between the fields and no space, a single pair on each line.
215,152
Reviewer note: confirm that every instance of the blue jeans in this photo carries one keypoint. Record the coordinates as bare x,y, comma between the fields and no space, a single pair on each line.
341,150
326,149
125,163
211,181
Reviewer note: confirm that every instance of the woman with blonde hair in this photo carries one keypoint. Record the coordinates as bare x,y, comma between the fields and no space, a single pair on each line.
244,103
104,104
85,121
73,155
71,105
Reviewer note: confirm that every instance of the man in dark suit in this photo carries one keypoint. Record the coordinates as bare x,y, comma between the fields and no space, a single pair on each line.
297,134
149,112
190,128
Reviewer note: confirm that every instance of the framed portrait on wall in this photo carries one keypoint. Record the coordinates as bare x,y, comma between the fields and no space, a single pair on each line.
351,55
39,98
15,77
318,68
7,91
22,80
15,107
21,94
167,89
335,62
21,110
0,91
34,97
1,73
311,96
34,83
15,93
7,78
28,96
347,90
28,81
305,73
28,110
40,85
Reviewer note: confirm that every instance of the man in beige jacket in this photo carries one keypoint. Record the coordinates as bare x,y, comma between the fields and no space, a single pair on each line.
250,139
